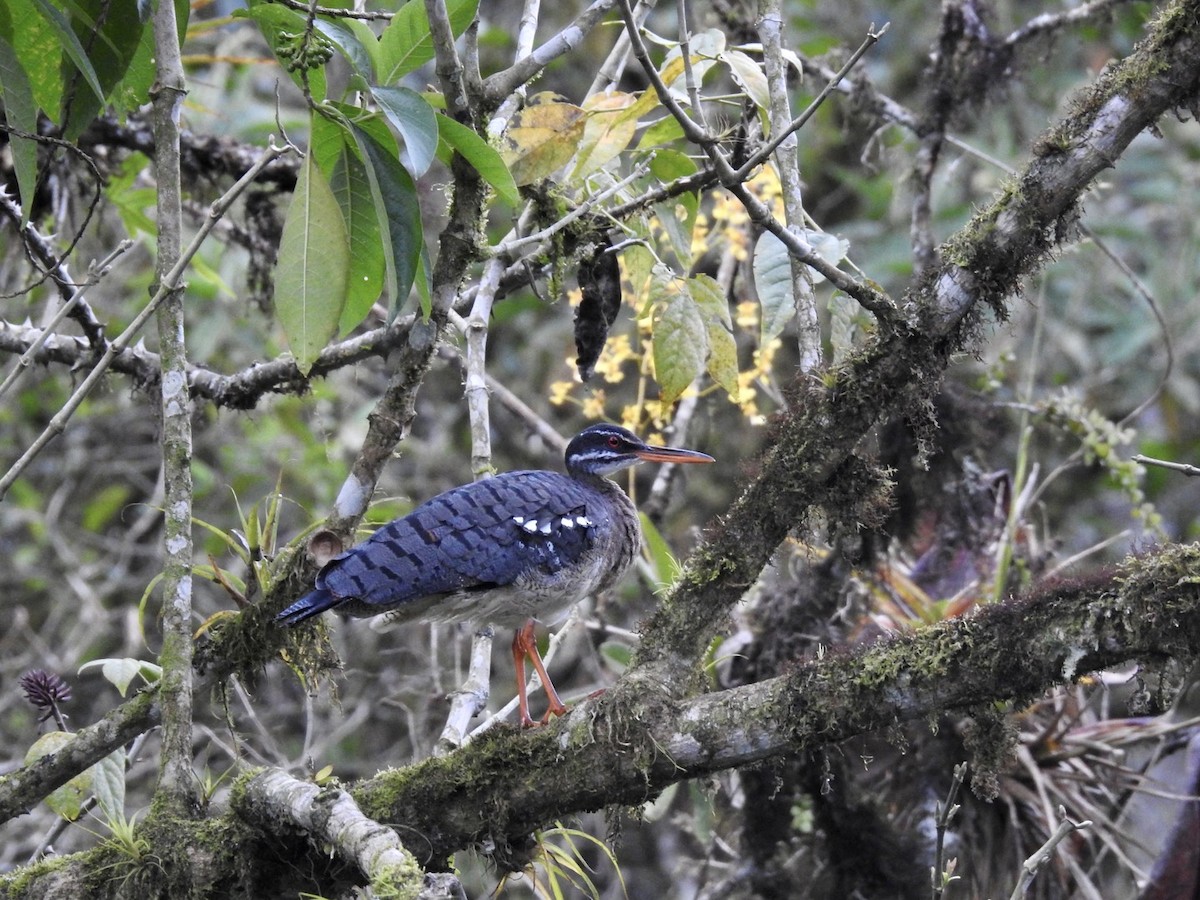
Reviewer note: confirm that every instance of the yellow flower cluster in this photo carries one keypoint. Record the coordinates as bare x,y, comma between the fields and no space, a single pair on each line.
759,373
726,223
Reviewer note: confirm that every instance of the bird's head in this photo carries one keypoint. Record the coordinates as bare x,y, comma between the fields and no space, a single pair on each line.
605,449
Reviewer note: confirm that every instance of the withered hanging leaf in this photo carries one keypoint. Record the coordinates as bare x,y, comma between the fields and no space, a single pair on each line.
600,284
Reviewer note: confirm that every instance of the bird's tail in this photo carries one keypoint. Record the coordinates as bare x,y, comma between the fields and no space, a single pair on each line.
309,605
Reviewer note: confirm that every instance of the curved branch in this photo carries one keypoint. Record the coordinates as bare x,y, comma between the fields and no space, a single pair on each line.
333,819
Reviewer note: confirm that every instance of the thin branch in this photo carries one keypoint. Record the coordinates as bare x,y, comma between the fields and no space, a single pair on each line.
241,390
690,81
1045,852
1186,469
833,81
613,67
96,271
336,12
55,268
448,66
787,164
171,282
471,698
1047,23
941,871
497,87
39,247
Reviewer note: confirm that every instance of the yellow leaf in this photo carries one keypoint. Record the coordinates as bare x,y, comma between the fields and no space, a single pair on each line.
611,122
542,137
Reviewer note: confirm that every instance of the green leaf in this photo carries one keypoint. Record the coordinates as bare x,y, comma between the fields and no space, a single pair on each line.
66,800
664,131
415,120
358,48
773,275
69,42
542,137
669,165
105,505
311,271
665,566
773,281
677,217
113,32
108,784
36,44
680,339
20,111
637,264
749,75
121,672
130,202
722,360
406,43
609,128
395,198
480,154
351,185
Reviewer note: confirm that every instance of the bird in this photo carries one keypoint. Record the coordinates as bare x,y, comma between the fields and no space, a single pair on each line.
508,551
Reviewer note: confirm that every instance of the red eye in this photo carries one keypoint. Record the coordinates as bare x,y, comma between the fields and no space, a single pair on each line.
614,442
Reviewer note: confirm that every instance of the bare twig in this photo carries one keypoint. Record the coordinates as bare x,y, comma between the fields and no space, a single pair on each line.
60,419
1047,23
96,271
941,871
1184,468
337,12
833,81
472,697
39,247
1043,854
498,87
787,164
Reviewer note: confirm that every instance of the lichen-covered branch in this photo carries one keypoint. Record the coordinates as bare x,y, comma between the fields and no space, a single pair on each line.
20,791
239,390
177,781
624,750
811,462
334,820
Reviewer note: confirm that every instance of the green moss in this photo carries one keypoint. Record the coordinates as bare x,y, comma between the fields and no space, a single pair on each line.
17,884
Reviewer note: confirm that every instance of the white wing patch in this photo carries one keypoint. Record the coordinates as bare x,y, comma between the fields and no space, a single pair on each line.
533,526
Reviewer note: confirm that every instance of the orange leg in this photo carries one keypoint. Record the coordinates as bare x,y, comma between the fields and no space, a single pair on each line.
525,645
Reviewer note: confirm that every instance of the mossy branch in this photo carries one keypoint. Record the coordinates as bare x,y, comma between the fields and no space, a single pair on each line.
620,749
982,267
